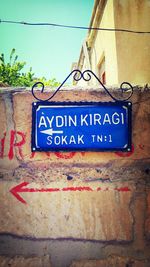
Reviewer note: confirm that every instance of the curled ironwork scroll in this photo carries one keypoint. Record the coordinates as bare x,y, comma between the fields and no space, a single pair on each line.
86,76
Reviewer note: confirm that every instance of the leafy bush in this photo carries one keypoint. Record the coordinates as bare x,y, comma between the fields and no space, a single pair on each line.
11,75
51,83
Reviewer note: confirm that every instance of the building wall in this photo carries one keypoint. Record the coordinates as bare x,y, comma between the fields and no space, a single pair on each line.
127,55
105,227
104,45
133,50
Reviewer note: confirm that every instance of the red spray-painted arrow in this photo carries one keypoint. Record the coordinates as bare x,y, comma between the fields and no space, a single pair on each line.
21,188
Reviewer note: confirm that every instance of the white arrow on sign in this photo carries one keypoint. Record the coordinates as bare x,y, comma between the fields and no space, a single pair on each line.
51,132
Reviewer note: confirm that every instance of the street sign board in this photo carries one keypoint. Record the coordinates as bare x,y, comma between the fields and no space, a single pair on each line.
83,126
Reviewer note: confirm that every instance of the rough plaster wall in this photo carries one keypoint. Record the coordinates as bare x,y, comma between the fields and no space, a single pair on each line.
74,225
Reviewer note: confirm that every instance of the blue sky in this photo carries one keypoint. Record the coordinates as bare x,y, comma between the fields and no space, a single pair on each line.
50,51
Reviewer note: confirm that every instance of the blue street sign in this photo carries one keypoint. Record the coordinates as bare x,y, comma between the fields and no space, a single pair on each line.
81,126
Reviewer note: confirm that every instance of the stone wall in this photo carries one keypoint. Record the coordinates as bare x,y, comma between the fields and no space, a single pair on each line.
106,226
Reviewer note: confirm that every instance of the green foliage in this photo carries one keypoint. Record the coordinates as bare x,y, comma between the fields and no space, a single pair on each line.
11,73
51,83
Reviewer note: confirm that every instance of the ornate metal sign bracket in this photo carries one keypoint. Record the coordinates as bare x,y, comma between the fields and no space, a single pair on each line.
86,76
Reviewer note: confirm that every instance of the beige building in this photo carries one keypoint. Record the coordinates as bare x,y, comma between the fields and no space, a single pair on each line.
118,56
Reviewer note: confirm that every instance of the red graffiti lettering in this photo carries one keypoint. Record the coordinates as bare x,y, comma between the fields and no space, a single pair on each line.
34,153
61,155
125,154
14,135
2,143
14,144
65,155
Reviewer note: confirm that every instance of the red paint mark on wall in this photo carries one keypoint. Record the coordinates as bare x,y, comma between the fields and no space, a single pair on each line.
34,153
60,155
99,189
125,154
21,188
2,143
141,147
65,155
123,189
18,189
21,136
19,144
79,188
13,143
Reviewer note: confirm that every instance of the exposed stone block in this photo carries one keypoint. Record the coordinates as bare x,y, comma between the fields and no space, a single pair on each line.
79,211
112,261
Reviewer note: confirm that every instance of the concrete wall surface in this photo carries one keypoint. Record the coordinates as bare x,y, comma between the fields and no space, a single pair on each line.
123,56
106,226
